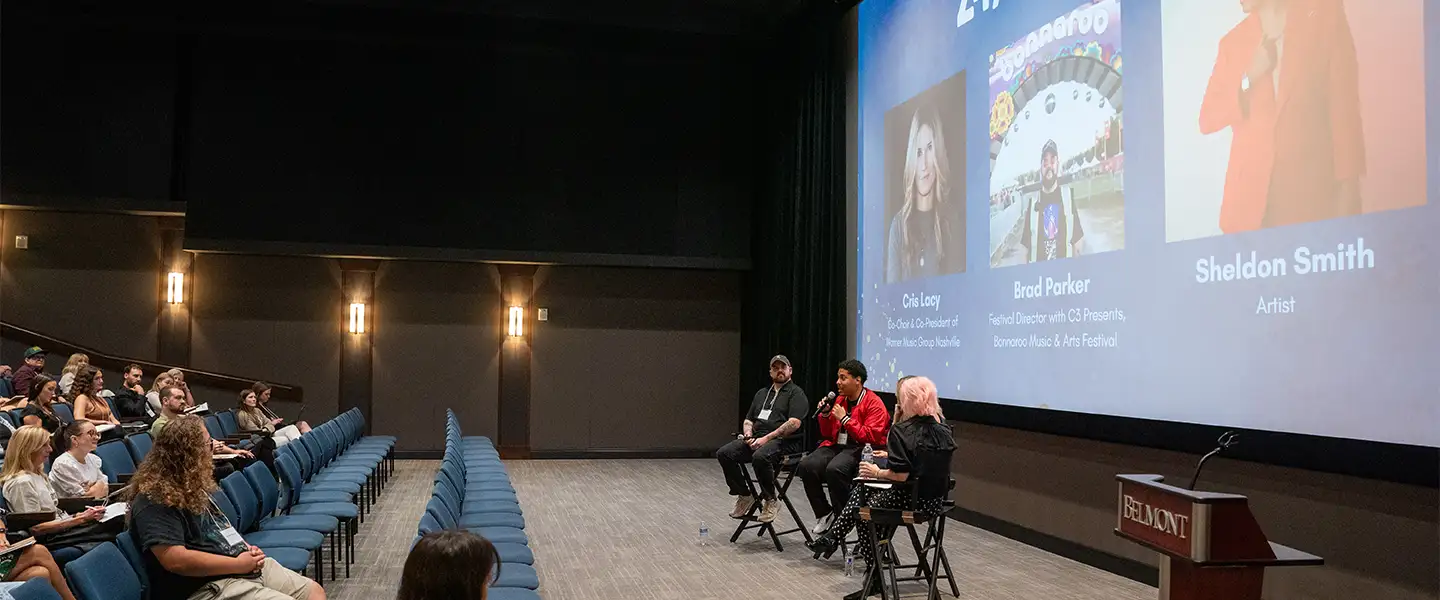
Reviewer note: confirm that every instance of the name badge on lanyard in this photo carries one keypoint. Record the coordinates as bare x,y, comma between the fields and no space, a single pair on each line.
232,537
765,408
842,438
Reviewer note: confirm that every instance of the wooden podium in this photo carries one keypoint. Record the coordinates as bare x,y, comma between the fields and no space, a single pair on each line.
1211,546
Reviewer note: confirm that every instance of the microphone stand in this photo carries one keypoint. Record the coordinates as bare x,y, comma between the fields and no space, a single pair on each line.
1226,440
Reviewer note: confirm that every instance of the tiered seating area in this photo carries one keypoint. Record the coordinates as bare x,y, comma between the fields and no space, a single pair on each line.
326,477
473,491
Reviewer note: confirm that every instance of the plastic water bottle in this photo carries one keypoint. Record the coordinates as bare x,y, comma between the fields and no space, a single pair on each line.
867,454
849,565
704,534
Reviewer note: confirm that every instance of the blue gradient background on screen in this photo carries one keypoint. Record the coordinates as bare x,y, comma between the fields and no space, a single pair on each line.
1359,359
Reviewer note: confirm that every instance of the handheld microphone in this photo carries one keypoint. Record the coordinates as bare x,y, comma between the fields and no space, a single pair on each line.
826,404
1227,439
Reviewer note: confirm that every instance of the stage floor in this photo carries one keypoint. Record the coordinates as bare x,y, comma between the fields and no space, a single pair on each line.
629,529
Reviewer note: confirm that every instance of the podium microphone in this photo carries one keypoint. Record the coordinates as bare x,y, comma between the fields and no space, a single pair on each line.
1226,440
826,405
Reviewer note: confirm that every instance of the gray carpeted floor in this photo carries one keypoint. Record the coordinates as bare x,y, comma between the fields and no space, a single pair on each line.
629,529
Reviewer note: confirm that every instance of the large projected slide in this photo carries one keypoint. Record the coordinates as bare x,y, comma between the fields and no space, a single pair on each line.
1204,211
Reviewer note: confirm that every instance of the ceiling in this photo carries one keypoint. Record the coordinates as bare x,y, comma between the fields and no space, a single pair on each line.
724,17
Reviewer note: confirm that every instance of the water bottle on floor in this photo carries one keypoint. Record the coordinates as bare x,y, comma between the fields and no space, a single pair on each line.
704,534
849,565
867,454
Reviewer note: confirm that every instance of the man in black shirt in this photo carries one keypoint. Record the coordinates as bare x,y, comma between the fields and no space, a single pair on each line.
1052,227
770,431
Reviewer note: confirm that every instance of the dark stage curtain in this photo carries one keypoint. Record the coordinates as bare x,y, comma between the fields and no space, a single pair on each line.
795,292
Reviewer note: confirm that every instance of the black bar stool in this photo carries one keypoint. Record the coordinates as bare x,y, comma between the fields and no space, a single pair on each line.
784,476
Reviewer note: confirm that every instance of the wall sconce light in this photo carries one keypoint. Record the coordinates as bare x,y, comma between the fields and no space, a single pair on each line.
175,288
357,317
517,321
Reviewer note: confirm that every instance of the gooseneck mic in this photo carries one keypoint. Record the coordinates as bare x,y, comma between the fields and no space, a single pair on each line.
826,404
1226,440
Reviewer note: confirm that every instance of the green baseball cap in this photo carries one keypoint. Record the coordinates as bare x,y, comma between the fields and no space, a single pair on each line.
34,351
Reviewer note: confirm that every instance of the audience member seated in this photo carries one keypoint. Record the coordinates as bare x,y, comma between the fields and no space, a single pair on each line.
450,563
130,400
190,549
858,417
89,406
72,368
34,364
262,392
172,407
28,491
920,447
76,472
250,420
771,430
33,562
177,379
152,397
39,412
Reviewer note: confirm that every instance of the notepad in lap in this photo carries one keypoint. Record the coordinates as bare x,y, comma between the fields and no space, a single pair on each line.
9,556
117,509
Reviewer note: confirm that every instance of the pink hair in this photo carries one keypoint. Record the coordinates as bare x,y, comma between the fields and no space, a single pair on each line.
918,396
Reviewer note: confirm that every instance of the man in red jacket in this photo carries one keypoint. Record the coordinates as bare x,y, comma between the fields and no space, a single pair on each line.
857,418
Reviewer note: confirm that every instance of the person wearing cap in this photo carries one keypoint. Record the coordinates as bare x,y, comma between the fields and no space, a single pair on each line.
34,362
1052,225
770,431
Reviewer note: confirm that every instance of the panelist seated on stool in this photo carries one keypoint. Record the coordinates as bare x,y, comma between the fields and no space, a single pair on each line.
771,431
920,447
857,417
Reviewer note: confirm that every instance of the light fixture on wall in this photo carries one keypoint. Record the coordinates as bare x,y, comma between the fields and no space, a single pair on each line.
357,317
175,288
517,321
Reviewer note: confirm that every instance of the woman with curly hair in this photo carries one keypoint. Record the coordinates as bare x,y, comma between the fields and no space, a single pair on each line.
86,400
190,548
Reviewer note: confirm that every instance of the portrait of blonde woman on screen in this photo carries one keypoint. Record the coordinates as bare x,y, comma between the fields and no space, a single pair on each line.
921,241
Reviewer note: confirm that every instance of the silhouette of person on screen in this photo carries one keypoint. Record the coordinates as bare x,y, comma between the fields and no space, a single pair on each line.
1052,225
921,242
1286,84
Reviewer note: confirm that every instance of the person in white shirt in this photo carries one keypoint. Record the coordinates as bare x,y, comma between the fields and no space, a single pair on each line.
76,472
162,381
28,491
73,367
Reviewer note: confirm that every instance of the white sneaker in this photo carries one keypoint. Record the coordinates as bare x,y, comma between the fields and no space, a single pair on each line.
769,511
823,525
742,506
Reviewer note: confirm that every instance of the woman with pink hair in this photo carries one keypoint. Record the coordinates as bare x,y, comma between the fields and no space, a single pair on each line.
920,446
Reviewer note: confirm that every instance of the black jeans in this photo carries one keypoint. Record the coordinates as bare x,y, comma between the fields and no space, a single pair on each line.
766,459
833,466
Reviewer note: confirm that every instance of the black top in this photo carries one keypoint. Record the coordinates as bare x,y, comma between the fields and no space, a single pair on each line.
50,421
788,403
922,447
159,525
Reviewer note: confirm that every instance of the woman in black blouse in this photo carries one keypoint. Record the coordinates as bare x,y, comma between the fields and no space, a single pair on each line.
920,446
39,412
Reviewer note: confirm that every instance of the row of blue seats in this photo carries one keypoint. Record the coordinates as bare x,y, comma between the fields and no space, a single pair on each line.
322,475
473,492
